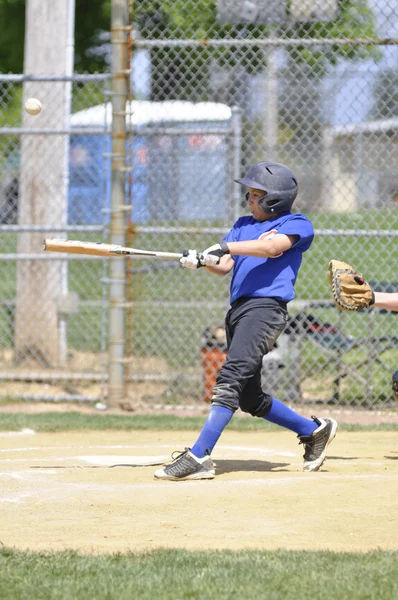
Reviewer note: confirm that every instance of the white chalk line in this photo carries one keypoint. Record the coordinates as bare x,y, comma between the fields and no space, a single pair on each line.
55,490
83,446
17,433
254,450
58,489
114,461
17,498
101,461
257,481
96,447
29,460
223,453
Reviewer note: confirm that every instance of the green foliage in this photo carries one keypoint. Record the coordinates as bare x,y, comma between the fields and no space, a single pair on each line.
12,17
172,574
180,19
91,17
185,73
355,20
12,98
11,116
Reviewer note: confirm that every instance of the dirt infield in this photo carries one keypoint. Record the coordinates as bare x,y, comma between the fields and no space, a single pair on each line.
76,491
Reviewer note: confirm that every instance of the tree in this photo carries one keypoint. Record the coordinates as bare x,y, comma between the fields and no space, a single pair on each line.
91,19
184,73
12,15
181,19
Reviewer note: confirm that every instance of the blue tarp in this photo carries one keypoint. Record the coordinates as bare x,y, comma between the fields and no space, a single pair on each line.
183,177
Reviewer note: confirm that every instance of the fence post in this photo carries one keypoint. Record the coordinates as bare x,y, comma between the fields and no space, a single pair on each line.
236,160
117,290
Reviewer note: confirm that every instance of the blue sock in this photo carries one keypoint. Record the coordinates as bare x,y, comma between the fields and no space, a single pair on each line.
282,415
218,418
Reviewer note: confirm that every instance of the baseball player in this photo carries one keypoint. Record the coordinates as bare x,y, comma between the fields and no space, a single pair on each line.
351,292
264,252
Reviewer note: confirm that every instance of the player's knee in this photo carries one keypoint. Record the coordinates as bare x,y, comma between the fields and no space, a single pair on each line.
262,409
226,396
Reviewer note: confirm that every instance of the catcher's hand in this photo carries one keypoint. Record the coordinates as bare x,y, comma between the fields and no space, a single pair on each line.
351,292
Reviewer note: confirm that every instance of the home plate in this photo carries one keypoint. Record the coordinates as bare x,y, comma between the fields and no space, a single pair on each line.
124,461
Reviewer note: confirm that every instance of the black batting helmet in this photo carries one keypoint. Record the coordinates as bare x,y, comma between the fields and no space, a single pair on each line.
277,180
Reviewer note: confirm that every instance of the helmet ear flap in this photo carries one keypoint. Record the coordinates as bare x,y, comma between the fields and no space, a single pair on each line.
261,201
244,202
267,204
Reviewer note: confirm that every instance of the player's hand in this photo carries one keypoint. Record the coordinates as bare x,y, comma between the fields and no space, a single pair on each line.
212,255
191,259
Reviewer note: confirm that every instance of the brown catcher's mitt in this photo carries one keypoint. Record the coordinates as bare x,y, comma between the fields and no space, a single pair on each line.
351,292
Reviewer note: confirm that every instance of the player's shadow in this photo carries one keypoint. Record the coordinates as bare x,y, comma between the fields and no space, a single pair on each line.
232,466
346,457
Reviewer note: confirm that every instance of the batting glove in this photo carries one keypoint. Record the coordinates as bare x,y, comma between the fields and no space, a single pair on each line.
191,259
212,255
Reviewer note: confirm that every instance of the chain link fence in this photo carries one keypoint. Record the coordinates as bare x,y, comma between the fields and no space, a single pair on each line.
215,87
52,311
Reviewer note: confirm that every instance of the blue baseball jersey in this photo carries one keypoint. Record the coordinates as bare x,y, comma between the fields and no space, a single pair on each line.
269,277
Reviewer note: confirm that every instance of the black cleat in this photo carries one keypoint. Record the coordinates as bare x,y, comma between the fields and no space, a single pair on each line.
186,465
316,444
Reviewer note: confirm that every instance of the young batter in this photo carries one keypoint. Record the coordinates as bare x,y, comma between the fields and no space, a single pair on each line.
264,252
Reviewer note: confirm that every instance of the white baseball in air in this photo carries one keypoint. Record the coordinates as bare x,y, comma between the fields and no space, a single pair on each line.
33,106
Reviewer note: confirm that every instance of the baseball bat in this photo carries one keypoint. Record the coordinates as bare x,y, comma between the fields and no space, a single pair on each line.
100,249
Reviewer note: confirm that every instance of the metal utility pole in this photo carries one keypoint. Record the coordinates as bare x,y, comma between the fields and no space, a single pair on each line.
118,227
40,330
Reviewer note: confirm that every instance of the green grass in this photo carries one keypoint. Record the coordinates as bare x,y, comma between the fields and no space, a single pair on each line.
74,421
180,575
385,218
